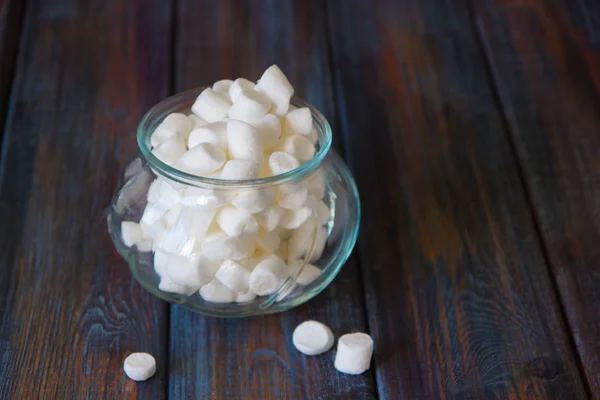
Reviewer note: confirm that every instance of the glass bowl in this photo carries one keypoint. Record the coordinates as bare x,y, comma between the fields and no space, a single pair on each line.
324,241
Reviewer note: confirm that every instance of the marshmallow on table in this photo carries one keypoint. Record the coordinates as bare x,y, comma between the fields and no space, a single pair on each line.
171,149
139,366
268,276
236,222
270,218
202,159
249,106
238,86
244,141
299,147
253,200
275,85
307,275
216,292
298,121
215,133
354,352
222,247
312,338
267,242
294,200
234,276
210,106
280,162
270,129
131,233
237,170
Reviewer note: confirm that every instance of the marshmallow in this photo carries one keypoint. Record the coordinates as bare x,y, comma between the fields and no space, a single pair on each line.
302,239
203,159
221,248
270,218
254,200
243,141
197,122
234,276
280,162
267,242
251,262
172,124
172,216
161,134
210,106
237,170
312,338
152,231
313,137
275,85
222,86
171,149
294,200
320,242
161,262
323,213
139,366
270,130
207,199
354,353
268,276
215,133
216,292
235,222
293,219
249,106
167,285
245,297
282,251
307,275
175,241
299,147
196,221
315,184
238,86
131,233
190,271
145,246
298,121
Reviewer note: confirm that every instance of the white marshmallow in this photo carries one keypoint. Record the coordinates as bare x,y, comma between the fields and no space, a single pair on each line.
131,233
152,231
308,274
161,262
207,199
167,285
139,366
190,271
270,130
197,122
171,149
354,352
313,137
251,262
175,241
275,85
254,200
267,242
302,239
249,106
172,124
283,249
294,200
316,184
299,147
215,133
243,141
145,246
240,170
323,213
235,222
284,233
239,85
196,221
221,248
268,276
216,292
245,297
161,134
270,218
298,121
312,338
320,243
222,86
203,159
210,106
172,216
234,276
293,219
280,162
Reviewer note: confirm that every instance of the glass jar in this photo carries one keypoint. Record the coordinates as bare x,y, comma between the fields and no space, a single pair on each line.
177,210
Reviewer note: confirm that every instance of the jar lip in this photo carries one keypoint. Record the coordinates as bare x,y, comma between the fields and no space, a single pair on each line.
173,104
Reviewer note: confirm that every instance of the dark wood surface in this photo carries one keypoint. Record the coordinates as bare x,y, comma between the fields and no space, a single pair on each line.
472,129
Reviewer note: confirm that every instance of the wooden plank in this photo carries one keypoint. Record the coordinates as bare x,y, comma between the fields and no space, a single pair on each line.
545,60
70,311
11,12
459,296
254,358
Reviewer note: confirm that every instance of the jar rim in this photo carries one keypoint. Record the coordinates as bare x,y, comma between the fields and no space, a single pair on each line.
174,104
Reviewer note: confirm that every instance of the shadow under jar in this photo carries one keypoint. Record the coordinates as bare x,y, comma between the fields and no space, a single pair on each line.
325,240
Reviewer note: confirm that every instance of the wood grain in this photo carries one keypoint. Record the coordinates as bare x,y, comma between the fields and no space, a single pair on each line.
254,358
459,298
70,311
545,60
11,13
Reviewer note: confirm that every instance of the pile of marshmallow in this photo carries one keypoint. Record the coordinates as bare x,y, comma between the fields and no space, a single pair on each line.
232,243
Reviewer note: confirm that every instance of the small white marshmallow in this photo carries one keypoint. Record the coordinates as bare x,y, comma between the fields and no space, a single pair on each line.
270,129
254,200
222,86
238,86
216,292
294,200
298,121
354,352
312,338
139,366
280,162
299,147
244,141
210,106
275,85
267,242
270,218
308,274
237,170
131,233
268,276
250,106
215,133
234,276
171,149
221,248
201,160
235,222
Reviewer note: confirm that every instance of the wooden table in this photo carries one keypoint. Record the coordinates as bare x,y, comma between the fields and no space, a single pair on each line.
471,127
